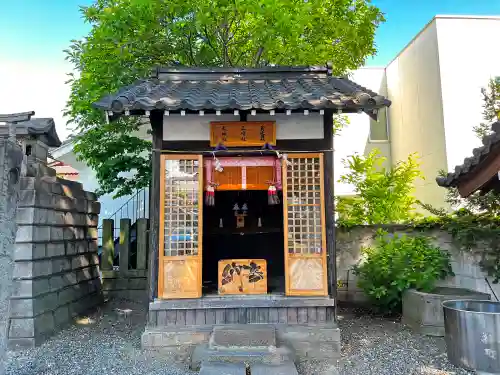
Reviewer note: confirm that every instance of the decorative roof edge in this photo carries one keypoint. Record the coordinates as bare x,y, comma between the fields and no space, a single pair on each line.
43,128
490,141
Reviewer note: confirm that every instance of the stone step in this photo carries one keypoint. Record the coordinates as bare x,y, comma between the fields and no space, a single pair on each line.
272,355
286,368
260,336
220,368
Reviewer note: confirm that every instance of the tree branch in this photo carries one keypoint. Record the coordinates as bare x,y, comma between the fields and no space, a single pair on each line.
259,55
191,55
210,44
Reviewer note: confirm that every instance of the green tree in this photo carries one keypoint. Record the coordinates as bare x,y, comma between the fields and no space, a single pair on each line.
384,195
129,37
491,107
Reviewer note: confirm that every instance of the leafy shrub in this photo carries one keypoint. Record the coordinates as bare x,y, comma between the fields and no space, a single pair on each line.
397,263
384,195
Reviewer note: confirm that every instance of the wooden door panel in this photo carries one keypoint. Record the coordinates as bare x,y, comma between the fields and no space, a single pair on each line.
181,277
180,239
304,226
306,274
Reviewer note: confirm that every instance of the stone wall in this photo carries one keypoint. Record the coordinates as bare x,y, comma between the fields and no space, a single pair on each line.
56,272
11,157
468,274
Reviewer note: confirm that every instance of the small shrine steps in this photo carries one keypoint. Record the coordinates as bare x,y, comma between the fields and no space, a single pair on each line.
245,350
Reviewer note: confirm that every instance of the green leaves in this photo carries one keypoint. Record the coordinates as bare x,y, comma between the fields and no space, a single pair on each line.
129,37
396,263
384,195
491,107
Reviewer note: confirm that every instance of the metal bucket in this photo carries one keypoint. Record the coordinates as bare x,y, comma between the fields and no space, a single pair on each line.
472,334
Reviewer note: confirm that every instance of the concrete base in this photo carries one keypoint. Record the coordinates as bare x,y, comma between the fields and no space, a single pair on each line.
251,347
270,356
287,368
223,369
256,336
423,312
308,342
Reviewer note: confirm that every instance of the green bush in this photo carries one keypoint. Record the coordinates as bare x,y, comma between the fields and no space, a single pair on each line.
397,263
383,195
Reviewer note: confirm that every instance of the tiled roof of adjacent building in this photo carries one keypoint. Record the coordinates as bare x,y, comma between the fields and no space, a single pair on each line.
269,88
43,128
490,142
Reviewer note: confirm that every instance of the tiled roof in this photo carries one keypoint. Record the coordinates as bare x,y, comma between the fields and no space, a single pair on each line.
271,88
43,128
479,154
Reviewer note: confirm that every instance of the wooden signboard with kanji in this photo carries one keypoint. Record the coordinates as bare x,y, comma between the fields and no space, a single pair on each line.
242,276
243,133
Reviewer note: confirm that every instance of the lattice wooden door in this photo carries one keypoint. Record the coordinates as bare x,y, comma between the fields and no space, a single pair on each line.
304,226
181,204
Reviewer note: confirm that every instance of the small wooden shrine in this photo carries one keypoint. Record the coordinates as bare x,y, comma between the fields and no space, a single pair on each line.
242,205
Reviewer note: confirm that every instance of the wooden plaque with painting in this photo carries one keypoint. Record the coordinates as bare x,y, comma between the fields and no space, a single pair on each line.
242,276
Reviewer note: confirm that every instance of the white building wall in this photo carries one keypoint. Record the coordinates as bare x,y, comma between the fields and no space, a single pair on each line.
355,138
197,128
416,113
468,58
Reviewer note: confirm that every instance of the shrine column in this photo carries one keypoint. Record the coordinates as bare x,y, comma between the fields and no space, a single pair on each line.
329,202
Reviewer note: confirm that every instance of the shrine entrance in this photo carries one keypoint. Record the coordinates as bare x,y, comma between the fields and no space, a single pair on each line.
243,254
243,226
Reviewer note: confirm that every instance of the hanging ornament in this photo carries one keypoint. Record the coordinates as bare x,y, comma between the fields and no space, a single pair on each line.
210,196
275,196
218,166
271,195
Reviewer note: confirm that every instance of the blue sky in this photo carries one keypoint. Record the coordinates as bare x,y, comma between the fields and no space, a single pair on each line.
38,30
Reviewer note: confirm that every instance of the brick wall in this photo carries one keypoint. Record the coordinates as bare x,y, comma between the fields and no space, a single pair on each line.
56,273
465,265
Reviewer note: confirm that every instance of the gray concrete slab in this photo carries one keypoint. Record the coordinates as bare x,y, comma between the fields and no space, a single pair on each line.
220,368
287,368
244,336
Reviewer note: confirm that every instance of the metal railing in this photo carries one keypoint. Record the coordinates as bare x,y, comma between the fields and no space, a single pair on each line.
137,207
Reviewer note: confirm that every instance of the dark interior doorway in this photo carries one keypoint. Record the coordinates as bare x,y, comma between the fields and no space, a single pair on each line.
250,242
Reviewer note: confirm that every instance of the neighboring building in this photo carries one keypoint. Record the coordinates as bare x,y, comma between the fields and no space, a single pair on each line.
434,84
64,170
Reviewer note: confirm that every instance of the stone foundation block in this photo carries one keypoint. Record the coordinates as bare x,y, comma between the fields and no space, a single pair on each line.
423,312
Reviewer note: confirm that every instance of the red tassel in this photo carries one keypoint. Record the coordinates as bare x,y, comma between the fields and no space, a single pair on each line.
210,196
272,198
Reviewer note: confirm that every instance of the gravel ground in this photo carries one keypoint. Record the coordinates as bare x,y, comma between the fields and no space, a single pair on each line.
383,346
108,342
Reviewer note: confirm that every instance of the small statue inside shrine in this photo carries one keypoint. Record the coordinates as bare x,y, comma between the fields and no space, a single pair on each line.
240,216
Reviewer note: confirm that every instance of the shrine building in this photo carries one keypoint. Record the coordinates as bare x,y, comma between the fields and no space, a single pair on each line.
242,229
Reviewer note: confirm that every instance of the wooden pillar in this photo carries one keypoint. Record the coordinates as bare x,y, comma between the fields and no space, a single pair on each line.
156,120
108,245
329,203
124,245
142,243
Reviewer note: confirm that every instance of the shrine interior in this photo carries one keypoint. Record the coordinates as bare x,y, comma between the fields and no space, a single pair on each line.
260,236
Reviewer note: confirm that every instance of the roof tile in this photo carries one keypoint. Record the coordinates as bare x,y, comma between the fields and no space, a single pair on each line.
478,155
270,88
